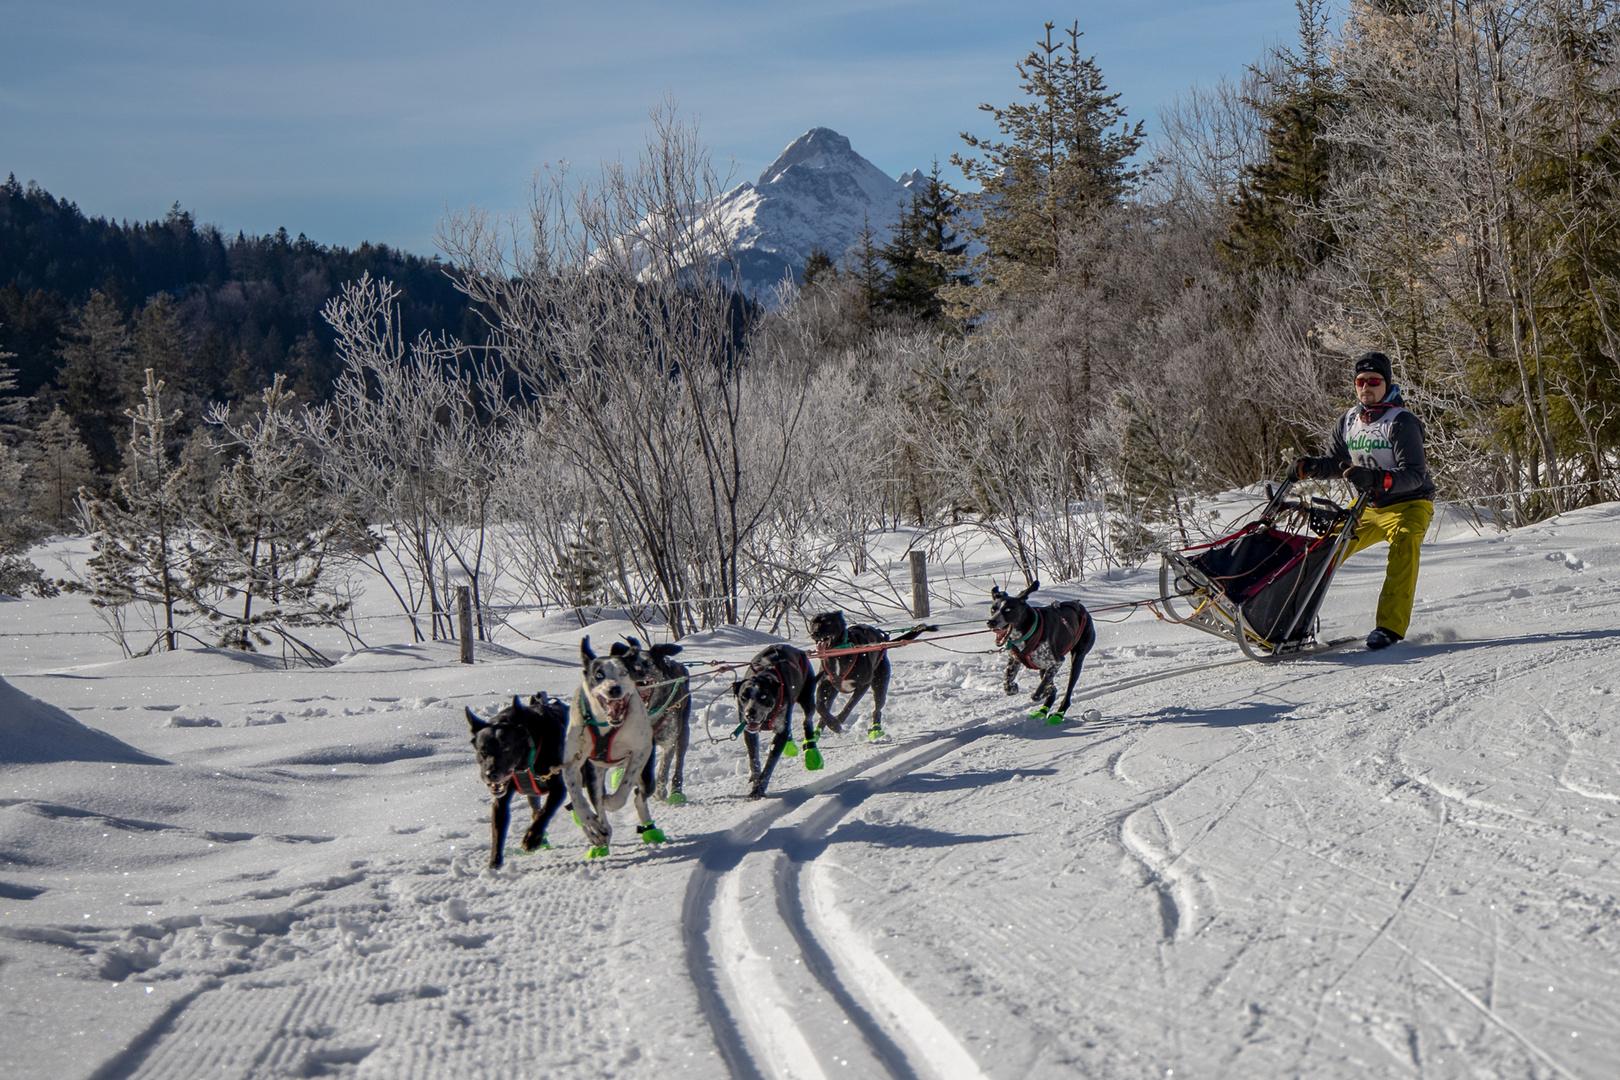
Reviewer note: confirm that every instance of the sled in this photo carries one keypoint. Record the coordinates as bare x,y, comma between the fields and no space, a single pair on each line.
1262,586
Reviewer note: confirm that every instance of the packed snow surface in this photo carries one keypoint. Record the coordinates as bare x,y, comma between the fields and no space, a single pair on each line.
1396,864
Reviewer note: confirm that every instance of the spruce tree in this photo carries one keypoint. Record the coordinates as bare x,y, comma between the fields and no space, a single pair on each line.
266,536
818,267
1064,155
139,550
923,244
1276,218
94,359
59,465
161,346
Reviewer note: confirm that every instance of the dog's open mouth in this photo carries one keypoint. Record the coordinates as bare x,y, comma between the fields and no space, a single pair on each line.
1002,633
646,693
616,708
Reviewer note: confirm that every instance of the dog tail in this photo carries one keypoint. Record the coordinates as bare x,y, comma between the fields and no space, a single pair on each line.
911,635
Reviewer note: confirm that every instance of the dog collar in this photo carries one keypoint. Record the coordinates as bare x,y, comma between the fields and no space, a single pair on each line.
1012,646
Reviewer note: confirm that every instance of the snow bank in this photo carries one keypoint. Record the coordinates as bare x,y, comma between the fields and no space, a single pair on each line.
32,732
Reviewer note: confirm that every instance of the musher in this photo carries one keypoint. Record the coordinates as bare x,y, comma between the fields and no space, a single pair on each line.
1378,447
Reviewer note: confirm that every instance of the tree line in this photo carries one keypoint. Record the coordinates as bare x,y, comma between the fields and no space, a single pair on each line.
1061,352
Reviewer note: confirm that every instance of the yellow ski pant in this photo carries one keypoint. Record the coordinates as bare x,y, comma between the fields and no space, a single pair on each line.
1402,526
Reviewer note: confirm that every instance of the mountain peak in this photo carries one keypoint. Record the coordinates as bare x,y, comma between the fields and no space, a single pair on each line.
817,148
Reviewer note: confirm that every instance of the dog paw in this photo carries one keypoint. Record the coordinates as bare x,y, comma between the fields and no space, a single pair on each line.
651,834
790,749
1011,689
812,757
833,726
676,799
600,851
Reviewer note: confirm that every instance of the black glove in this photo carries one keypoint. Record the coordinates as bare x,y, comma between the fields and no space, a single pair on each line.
1365,479
1300,470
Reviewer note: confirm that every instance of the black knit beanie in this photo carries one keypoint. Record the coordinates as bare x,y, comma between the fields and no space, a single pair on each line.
1376,361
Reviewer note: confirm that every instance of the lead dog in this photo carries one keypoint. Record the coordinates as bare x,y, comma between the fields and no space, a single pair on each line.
521,750
666,690
1039,638
853,673
607,730
777,679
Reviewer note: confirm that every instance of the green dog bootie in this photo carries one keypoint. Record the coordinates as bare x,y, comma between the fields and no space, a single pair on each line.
875,734
575,815
812,757
597,852
651,834
676,799
1054,717
791,748
1038,714
615,778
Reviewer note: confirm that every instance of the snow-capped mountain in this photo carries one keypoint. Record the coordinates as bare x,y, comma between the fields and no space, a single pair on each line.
817,193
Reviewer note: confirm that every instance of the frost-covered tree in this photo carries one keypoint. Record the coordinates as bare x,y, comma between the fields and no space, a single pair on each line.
266,535
58,466
140,554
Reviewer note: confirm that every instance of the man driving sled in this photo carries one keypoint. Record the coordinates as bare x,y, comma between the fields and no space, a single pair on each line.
1378,447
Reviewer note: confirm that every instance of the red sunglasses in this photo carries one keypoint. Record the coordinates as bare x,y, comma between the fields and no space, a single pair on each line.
1369,380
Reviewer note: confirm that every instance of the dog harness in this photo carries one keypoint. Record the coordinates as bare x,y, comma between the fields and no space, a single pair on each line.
781,679
829,665
524,779
594,729
1036,635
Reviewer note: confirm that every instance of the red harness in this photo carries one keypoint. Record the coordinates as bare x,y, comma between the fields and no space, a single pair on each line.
781,679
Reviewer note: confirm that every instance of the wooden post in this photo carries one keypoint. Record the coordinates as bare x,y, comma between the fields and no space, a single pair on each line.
919,585
464,610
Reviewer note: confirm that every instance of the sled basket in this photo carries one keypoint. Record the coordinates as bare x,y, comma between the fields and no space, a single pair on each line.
1263,585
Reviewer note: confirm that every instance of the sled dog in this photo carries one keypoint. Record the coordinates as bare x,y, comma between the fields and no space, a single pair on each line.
607,730
1039,638
665,687
776,680
853,673
520,750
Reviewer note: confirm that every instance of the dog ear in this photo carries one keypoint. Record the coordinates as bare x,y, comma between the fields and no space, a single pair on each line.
473,722
537,701
517,703
665,650
620,649
585,654
736,686
1032,587
996,593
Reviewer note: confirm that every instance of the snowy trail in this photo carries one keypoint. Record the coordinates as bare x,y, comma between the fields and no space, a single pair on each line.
1395,865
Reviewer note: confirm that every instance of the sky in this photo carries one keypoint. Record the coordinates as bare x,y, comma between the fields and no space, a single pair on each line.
353,121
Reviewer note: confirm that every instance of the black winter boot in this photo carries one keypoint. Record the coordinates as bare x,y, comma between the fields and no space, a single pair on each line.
1382,639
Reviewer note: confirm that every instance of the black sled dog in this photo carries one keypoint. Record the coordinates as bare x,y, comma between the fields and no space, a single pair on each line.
666,690
608,732
520,750
777,679
1039,638
855,673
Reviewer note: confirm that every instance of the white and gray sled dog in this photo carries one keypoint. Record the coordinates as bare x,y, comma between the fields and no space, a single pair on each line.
609,728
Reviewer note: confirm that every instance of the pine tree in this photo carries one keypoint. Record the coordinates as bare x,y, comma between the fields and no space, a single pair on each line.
139,550
1065,156
91,380
819,267
1275,218
59,465
265,534
923,244
866,272
161,346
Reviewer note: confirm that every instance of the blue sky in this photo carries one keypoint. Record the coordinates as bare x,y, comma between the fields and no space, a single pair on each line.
357,121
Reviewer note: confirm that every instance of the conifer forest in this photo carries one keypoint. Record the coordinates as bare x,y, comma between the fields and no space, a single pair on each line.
1075,331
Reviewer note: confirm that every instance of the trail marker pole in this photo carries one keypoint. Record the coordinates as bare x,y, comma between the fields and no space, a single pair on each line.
919,585
464,613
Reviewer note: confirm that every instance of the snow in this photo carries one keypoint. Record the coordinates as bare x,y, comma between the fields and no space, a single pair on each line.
1393,864
818,193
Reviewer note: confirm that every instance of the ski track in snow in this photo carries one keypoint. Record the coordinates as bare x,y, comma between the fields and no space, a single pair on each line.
1395,865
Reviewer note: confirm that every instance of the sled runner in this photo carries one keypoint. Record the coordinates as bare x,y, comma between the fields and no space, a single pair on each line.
1263,585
